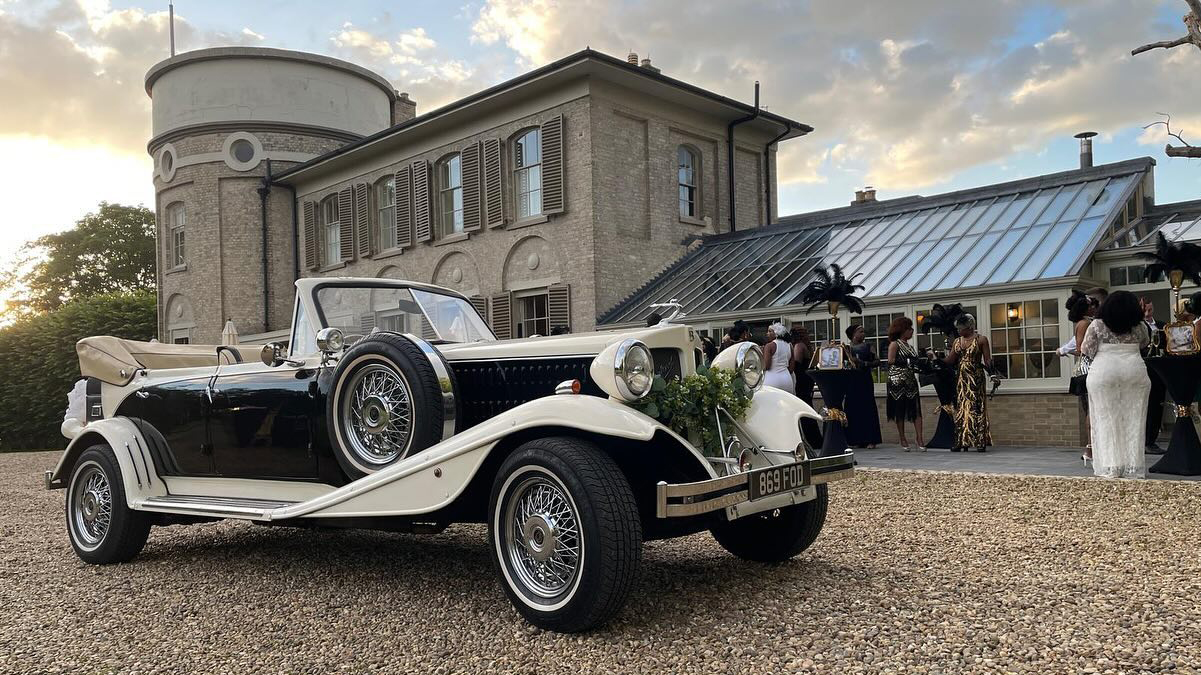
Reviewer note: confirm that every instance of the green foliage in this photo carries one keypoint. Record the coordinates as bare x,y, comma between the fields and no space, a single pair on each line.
40,366
688,406
109,251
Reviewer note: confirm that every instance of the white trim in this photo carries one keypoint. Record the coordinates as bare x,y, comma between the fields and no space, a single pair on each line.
234,163
167,150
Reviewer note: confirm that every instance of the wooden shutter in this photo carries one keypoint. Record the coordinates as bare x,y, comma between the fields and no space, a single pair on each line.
481,305
346,224
362,219
470,164
367,323
558,306
494,206
552,165
500,312
404,207
422,217
310,235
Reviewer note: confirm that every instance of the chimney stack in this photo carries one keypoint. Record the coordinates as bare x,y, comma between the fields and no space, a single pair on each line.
865,196
858,197
1086,148
404,109
632,58
646,64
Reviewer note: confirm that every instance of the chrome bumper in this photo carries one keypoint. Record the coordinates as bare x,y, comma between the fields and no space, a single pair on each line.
690,499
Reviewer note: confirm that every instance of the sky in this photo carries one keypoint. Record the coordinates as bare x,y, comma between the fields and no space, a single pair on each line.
907,96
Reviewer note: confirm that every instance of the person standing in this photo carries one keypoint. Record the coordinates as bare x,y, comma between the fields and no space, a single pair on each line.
1158,388
802,357
972,357
777,354
863,419
1081,309
1118,387
903,402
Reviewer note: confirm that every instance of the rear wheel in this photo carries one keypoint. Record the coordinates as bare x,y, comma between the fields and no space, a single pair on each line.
566,534
777,535
101,527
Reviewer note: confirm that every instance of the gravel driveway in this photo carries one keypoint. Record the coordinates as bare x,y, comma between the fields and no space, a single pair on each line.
914,573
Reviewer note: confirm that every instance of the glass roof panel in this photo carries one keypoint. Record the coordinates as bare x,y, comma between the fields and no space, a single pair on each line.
1036,230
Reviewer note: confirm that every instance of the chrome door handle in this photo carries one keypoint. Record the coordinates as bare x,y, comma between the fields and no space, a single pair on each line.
141,393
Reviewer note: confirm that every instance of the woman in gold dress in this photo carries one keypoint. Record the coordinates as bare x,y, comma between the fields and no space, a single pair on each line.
971,356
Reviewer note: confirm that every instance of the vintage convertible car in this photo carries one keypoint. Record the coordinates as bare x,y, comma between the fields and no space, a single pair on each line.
394,407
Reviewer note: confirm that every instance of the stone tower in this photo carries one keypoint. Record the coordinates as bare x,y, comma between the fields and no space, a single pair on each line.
222,118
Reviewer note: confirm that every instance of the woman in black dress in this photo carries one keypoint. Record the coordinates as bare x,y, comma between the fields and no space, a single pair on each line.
863,420
802,354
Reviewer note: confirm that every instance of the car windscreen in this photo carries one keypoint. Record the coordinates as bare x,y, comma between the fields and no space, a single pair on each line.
432,316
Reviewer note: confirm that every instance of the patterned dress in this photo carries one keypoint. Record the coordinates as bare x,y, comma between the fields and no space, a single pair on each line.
971,410
903,401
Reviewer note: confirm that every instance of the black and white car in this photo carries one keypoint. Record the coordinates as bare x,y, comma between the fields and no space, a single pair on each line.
394,407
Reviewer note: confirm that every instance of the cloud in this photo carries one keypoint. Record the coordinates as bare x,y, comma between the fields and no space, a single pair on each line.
908,94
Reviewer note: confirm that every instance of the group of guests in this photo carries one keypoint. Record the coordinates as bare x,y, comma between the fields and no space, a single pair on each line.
788,355
1121,396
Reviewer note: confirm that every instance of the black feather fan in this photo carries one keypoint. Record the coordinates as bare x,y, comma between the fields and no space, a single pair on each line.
1170,256
831,286
942,319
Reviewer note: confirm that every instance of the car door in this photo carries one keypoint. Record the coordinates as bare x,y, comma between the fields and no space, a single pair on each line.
262,419
176,411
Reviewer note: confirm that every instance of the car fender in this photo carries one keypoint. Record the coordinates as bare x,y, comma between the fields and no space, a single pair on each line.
433,478
774,418
138,474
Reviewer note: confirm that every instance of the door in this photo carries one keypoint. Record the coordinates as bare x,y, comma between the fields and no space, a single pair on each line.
261,421
178,411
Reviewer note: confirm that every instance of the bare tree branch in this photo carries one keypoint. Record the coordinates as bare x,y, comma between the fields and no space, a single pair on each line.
1165,44
1192,25
1167,125
1187,151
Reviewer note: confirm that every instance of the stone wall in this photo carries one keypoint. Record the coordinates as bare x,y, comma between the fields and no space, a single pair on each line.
1053,420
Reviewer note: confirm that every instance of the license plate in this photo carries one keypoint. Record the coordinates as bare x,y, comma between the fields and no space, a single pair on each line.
776,479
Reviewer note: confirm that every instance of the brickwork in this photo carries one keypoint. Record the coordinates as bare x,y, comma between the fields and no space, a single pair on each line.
1053,420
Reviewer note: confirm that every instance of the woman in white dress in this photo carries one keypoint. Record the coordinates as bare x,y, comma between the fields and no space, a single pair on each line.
1118,387
778,355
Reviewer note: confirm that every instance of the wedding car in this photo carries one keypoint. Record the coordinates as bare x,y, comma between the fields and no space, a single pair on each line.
394,407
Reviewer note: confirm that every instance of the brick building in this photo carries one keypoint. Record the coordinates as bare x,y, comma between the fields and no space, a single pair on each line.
546,198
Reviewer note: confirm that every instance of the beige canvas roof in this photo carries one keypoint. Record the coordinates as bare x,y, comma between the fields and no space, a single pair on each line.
115,360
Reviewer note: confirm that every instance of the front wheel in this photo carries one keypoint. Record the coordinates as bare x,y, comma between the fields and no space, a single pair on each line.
102,528
566,534
777,535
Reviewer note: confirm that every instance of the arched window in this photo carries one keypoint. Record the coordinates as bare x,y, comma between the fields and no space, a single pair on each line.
450,195
174,234
688,166
527,173
385,205
331,231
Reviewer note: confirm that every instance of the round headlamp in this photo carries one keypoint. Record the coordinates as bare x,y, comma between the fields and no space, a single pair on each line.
749,364
330,340
634,369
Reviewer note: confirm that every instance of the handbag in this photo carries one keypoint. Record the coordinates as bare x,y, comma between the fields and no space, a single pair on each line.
1083,363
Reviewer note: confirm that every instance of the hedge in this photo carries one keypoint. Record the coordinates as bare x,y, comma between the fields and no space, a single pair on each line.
39,366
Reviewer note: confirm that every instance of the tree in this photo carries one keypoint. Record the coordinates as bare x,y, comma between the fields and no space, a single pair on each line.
110,251
1192,27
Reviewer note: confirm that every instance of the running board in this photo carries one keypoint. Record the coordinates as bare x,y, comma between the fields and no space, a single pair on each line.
220,507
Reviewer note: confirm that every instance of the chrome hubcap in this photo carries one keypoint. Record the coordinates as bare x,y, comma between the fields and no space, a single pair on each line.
379,411
93,505
544,539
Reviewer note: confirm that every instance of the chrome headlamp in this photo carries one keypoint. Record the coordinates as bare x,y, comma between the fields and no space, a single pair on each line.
746,360
330,340
624,370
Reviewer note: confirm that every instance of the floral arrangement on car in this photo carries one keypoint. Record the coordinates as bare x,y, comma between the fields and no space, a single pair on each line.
689,405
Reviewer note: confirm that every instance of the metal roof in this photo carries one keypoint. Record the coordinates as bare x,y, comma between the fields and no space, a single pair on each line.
1032,229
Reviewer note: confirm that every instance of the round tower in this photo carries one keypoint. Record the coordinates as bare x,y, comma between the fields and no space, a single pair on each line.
222,118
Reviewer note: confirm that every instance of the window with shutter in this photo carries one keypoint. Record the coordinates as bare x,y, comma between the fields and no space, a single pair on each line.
331,230
362,220
385,214
422,222
527,174
500,310
470,159
367,323
346,224
481,305
404,207
559,307
450,195
493,192
552,165
310,235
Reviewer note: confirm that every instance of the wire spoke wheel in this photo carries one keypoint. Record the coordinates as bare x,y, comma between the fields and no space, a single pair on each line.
378,414
541,532
91,506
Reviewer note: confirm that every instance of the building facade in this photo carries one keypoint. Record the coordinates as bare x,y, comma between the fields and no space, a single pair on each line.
547,198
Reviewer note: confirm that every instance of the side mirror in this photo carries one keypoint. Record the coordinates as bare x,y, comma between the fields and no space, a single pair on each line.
274,354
